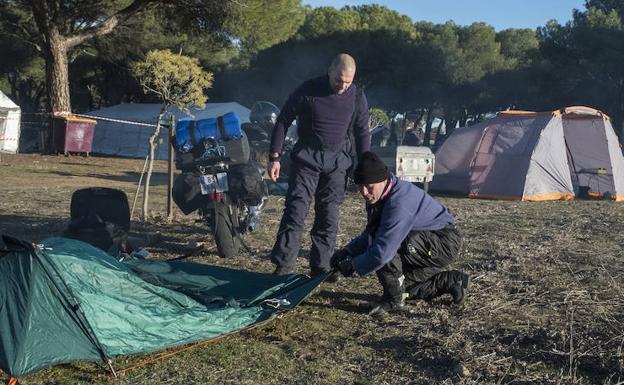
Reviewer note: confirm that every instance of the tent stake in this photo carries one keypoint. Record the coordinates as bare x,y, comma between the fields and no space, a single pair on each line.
110,366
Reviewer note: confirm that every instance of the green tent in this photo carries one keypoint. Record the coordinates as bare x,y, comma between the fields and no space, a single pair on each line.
65,300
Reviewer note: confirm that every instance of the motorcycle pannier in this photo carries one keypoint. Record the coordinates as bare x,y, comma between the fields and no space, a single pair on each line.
186,192
246,183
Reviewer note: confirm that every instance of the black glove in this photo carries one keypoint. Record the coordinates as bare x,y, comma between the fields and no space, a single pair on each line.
338,256
341,260
345,266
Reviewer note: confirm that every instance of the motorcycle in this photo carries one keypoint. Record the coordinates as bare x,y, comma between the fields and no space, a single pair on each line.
224,187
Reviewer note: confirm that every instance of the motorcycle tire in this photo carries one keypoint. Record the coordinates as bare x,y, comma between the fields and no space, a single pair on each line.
226,230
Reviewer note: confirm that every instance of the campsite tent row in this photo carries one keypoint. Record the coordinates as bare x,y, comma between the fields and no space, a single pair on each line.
120,137
10,114
533,156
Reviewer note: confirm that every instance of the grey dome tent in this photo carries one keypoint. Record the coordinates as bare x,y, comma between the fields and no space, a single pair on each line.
533,156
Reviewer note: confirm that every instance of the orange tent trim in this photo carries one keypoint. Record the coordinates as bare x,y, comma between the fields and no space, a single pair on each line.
531,198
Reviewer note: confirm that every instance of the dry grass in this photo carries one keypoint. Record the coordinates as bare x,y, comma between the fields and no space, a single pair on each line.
546,305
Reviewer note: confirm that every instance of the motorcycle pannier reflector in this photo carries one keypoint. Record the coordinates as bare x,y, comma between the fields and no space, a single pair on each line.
190,132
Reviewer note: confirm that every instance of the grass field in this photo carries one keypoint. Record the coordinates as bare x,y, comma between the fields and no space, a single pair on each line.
546,305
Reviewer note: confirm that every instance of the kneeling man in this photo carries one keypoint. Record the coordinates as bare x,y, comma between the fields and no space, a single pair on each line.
409,238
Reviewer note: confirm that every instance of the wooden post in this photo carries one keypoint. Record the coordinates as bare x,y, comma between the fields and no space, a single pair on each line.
170,170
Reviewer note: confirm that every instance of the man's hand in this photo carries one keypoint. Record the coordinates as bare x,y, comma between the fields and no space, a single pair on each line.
341,260
274,170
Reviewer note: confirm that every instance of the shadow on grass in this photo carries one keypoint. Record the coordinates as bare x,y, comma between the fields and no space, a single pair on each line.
158,178
438,366
32,229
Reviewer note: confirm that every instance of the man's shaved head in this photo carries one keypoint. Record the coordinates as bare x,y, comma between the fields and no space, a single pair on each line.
342,61
341,72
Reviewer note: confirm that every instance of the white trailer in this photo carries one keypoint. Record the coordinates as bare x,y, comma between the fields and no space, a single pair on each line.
414,164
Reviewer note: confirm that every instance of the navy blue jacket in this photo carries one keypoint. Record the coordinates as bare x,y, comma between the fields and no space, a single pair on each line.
405,208
329,120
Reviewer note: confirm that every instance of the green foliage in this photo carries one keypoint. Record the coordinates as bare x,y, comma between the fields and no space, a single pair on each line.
260,24
325,21
378,117
518,46
177,79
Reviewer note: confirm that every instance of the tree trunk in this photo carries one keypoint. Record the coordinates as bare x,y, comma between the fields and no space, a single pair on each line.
463,117
439,137
150,167
57,72
427,138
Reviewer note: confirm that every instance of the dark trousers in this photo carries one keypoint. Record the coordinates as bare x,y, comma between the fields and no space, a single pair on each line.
420,259
320,174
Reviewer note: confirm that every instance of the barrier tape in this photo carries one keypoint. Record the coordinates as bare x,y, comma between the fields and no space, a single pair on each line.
115,120
86,116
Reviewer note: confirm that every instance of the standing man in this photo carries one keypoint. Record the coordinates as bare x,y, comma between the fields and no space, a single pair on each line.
329,110
409,238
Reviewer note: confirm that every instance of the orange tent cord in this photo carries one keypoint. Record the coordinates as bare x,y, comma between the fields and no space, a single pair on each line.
196,345
12,381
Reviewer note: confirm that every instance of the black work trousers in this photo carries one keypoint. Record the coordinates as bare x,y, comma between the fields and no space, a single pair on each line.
417,267
319,174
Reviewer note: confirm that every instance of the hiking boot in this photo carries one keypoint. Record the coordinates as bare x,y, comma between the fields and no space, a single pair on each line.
458,290
283,270
384,307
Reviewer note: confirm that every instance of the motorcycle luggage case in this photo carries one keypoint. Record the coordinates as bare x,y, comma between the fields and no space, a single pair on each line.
110,205
246,183
186,192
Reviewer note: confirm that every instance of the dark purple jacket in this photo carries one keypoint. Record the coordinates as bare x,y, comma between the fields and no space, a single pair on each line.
406,208
323,117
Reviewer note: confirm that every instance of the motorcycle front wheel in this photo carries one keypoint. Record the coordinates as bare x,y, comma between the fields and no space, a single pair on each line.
226,229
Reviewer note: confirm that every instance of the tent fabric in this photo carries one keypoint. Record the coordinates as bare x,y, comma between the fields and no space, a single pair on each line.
10,115
130,140
533,156
66,301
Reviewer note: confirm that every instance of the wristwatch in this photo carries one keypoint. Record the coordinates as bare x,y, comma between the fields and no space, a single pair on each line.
274,158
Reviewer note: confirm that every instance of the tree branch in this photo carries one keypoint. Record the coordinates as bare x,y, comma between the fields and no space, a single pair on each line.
109,24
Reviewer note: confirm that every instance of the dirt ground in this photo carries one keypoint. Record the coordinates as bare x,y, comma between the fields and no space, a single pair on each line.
546,305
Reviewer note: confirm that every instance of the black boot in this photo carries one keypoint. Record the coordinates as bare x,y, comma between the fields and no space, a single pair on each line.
458,290
385,306
393,298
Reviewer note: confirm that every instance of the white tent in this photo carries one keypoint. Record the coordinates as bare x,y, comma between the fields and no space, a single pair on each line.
130,140
10,114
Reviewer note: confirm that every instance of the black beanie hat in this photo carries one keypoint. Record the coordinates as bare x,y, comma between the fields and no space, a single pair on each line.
370,169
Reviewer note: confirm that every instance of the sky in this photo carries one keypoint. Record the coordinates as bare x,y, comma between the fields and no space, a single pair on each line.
501,14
